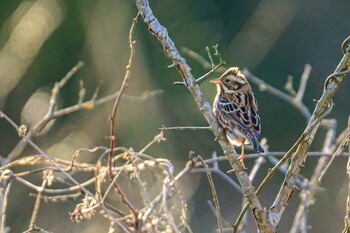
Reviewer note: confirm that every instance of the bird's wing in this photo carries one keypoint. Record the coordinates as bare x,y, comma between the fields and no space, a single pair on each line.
245,116
254,115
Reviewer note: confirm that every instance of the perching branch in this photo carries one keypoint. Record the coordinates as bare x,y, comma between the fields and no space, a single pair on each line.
179,62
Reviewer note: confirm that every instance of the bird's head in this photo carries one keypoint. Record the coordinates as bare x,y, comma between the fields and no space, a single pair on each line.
233,80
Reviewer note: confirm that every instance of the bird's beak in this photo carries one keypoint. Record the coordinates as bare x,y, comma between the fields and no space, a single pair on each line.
216,81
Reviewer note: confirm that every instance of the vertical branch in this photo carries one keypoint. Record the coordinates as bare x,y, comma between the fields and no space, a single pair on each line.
37,204
323,106
121,91
4,201
307,195
304,77
179,62
213,191
347,216
258,162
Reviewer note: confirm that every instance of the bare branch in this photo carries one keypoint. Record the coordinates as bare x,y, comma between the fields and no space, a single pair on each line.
213,66
185,127
336,153
308,193
122,88
213,191
81,187
323,106
158,138
258,162
289,86
179,62
4,200
347,215
37,203
303,81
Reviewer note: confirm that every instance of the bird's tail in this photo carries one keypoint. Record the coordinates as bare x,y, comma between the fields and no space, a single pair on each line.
255,143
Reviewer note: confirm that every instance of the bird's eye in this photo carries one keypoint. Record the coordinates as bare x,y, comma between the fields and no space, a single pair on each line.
227,80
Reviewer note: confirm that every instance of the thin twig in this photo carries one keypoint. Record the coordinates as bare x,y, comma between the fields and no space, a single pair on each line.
185,127
214,67
158,138
112,122
48,116
303,81
81,187
336,153
289,86
87,106
4,201
216,169
347,215
37,204
122,89
213,191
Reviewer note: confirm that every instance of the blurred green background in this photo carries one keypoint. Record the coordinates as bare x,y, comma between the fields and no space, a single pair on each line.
41,40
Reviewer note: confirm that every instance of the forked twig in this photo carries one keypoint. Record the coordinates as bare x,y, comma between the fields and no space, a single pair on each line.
213,66
81,187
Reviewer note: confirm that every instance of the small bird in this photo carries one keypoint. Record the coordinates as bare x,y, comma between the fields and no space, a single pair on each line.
237,110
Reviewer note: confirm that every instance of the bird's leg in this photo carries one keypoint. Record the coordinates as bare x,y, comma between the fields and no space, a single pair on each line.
241,157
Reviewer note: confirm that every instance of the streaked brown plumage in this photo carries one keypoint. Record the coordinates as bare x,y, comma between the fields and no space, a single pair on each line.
237,110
